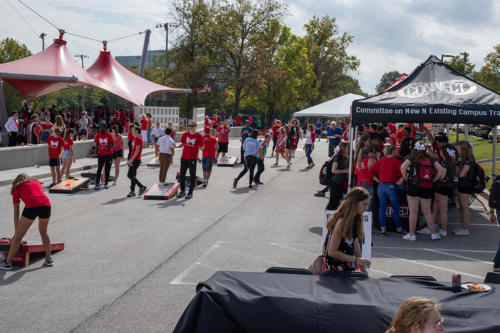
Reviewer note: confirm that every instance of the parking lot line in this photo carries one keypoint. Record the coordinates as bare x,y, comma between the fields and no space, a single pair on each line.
179,279
459,256
426,249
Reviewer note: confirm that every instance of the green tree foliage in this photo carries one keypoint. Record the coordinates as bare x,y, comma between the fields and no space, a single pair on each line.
327,52
386,79
460,65
489,75
11,50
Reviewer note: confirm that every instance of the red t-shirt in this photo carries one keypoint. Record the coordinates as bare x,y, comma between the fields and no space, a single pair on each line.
68,143
130,136
388,169
209,142
105,142
144,124
438,152
31,193
276,131
117,114
223,135
137,144
399,136
46,126
207,122
192,144
55,146
172,134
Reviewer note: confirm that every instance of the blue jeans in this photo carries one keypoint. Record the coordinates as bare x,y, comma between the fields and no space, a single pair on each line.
388,192
308,154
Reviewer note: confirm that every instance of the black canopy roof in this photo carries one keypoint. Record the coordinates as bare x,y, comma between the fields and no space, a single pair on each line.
433,93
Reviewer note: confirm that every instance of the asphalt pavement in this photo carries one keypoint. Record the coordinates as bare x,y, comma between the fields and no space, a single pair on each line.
132,265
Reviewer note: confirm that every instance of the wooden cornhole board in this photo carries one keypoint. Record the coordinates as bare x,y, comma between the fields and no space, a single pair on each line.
228,161
70,185
161,191
22,257
154,163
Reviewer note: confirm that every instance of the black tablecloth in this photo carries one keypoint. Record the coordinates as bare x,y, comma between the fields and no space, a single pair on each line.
266,302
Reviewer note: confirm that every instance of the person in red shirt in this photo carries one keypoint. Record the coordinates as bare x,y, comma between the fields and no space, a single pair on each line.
208,122
215,121
191,142
223,139
387,172
134,162
104,144
210,146
276,133
34,130
68,154
55,142
238,120
36,204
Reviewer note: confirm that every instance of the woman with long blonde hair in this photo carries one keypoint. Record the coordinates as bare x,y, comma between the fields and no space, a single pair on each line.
417,315
36,204
68,154
345,228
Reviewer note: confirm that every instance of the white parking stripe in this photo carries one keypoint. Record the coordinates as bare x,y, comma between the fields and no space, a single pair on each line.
427,249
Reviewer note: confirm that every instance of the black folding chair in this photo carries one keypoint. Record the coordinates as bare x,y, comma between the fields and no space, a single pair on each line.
288,270
414,277
492,277
354,275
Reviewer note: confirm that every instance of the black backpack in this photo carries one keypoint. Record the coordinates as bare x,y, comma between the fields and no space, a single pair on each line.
494,200
478,178
325,172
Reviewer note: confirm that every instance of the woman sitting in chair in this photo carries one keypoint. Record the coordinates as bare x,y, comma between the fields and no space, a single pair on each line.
345,228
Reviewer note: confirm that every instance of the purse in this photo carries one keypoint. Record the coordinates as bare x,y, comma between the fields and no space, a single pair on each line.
318,265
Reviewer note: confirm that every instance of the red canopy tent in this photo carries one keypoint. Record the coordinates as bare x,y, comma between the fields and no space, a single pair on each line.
115,78
49,70
397,81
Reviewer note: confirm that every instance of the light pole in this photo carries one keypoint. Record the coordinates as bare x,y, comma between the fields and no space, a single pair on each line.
42,36
82,56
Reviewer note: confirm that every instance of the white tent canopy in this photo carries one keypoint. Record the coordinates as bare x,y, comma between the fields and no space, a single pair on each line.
339,107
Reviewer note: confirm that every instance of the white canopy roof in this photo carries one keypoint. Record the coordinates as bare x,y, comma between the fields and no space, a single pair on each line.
339,107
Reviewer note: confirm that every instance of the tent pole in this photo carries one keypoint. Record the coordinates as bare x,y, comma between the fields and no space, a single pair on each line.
349,185
494,166
3,115
466,132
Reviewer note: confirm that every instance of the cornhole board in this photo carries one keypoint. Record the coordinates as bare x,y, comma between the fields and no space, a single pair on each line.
154,163
71,185
162,191
22,257
92,176
199,180
228,161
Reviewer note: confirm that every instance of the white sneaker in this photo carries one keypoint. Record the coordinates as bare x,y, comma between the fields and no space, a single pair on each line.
410,237
457,229
435,236
114,183
101,183
462,232
424,231
443,233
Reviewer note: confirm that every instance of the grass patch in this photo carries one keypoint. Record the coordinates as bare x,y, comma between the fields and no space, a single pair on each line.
483,148
488,167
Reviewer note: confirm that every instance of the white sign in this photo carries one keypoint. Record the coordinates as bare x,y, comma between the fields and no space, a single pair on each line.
366,242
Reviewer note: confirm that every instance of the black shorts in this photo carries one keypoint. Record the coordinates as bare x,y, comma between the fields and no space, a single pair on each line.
53,162
223,147
32,213
466,189
414,191
118,153
442,189
83,131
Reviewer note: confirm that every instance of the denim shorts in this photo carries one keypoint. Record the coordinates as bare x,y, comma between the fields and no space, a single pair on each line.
66,154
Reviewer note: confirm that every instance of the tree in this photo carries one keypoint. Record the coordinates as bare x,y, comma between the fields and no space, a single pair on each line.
236,33
327,52
386,80
460,65
11,50
489,75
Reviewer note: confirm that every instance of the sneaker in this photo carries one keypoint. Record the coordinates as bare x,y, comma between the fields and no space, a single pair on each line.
424,231
189,196
6,266
462,232
48,262
181,194
235,183
52,185
319,194
258,182
443,233
250,186
142,190
496,269
289,164
205,182
410,237
106,186
101,183
435,236
96,188
114,183
131,194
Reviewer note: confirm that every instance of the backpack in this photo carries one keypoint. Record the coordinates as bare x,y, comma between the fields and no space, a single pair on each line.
494,200
422,175
325,172
478,178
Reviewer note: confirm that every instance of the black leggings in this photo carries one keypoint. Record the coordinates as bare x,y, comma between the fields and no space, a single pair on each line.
103,161
132,175
185,165
129,149
336,192
275,141
250,163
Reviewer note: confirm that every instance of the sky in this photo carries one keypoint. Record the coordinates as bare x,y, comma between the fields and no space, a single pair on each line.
388,35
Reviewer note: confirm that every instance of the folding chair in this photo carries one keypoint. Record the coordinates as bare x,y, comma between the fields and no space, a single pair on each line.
492,277
414,277
288,270
474,197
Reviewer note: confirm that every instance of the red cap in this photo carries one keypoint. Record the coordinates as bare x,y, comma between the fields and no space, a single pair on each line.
207,129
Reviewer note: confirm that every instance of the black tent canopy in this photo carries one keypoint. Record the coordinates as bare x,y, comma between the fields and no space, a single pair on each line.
433,93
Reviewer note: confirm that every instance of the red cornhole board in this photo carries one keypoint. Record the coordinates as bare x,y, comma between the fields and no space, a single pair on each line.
22,257
162,191
70,185
228,161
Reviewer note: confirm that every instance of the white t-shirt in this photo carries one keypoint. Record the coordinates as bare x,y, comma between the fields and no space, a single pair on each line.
166,143
157,132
